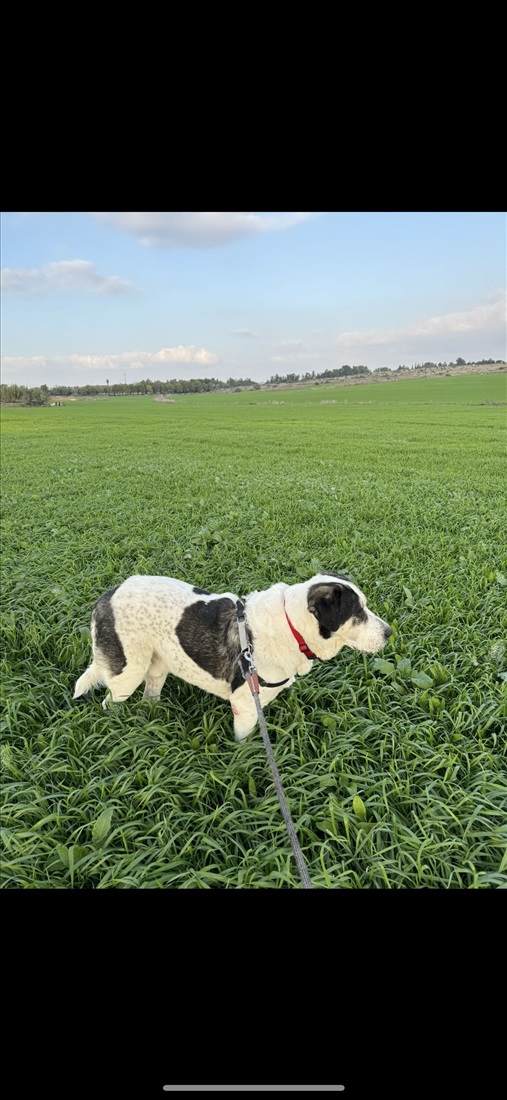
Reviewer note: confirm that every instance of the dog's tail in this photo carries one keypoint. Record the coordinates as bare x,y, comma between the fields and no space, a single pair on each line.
87,680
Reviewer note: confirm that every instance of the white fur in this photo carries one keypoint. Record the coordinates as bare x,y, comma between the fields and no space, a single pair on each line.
147,611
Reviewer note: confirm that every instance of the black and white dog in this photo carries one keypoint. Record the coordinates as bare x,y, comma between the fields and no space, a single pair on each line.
150,626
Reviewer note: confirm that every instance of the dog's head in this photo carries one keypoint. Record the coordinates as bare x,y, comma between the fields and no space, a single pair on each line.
340,610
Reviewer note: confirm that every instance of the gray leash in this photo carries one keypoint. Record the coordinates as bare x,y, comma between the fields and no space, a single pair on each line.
253,683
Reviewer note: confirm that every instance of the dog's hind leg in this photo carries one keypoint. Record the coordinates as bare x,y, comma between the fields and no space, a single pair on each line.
155,678
121,687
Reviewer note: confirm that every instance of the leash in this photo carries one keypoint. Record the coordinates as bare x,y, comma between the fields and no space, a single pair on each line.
252,680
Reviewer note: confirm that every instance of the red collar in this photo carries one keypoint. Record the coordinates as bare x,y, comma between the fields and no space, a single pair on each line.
300,640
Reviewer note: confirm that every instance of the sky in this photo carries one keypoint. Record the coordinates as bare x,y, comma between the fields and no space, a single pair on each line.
90,297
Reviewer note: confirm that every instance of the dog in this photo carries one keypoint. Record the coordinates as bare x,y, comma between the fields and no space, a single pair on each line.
148,627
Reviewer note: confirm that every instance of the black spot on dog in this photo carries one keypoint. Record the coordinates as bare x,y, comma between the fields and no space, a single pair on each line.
201,591
106,638
333,605
208,632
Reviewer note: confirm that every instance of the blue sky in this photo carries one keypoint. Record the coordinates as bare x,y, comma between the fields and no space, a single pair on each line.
90,296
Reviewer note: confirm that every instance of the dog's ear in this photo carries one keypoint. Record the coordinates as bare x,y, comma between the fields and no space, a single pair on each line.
324,601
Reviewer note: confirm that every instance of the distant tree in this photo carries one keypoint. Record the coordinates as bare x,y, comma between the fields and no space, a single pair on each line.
233,383
460,362
35,396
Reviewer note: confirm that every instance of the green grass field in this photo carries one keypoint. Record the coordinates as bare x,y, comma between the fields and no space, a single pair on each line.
394,767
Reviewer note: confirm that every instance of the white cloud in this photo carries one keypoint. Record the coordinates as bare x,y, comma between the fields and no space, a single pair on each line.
195,229
180,354
489,318
63,275
430,336
486,319
244,332
125,360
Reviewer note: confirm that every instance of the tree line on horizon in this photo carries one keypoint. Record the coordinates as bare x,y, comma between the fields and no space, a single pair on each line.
12,393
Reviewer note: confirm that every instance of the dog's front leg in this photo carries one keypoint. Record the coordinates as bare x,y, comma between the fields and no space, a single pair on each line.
245,712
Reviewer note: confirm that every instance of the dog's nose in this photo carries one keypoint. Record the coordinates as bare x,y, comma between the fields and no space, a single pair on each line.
387,631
